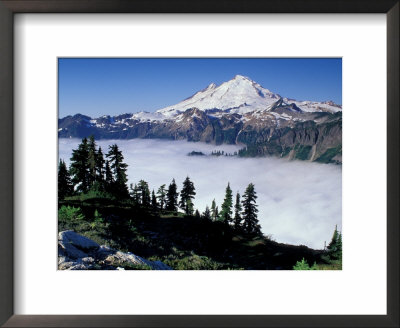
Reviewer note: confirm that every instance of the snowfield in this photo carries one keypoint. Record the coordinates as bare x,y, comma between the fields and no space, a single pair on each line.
241,95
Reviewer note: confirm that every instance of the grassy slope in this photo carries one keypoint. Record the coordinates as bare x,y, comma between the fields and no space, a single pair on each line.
180,241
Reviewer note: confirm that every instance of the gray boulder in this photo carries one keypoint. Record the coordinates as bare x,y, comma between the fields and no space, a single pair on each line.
75,246
120,258
76,252
68,250
77,240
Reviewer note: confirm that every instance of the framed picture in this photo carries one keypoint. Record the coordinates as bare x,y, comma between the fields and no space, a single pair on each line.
211,145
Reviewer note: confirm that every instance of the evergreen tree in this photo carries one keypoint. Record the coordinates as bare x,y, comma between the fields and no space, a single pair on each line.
91,161
79,168
250,210
189,207
161,196
109,180
237,220
206,214
339,245
187,194
100,168
197,214
226,208
118,169
65,187
135,193
214,210
172,197
303,265
144,193
334,248
154,203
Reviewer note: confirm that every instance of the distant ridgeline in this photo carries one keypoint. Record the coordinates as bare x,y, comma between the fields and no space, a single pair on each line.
317,137
239,111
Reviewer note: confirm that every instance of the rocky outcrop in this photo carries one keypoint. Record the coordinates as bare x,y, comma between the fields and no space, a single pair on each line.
76,252
319,141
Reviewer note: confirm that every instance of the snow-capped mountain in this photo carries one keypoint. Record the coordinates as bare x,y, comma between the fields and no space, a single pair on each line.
241,95
239,111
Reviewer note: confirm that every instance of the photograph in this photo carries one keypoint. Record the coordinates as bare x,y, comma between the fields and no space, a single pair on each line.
199,163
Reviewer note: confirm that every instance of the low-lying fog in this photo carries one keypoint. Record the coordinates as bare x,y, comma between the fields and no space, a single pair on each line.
299,202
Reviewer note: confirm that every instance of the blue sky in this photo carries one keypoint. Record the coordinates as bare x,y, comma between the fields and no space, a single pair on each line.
111,86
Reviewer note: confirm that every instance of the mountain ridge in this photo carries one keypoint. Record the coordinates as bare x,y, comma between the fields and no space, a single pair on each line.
243,95
239,111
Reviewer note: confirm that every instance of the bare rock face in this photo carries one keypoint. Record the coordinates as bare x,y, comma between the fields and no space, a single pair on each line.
74,245
76,252
273,132
77,240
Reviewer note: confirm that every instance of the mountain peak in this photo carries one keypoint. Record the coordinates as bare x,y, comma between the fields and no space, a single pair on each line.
241,77
239,95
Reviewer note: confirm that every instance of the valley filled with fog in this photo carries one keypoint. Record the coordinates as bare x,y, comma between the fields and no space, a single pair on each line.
299,202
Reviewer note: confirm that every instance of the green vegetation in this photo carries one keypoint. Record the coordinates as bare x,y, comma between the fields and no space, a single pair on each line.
327,157
94,200
196,153
251,150
187,195
331,258
218,153
302,152
226,208
303,265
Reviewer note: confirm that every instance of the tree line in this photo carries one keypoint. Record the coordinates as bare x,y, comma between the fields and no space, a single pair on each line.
92,171
222,153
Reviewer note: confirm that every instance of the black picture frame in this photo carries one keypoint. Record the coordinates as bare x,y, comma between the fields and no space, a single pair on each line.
10,7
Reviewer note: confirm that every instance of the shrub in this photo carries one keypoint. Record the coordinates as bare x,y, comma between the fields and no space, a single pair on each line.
70,213
69,217
303,265
193,262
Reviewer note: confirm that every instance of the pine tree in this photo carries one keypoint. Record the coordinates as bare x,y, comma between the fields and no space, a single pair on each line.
189,207
172,197
250,210
100,168
79,168
214,213
334,248
109,180
161,196
339,245
144,193
118,169
197,214
237,220
91,161
65,187
187,194
135,193
206,214
154,203
226,208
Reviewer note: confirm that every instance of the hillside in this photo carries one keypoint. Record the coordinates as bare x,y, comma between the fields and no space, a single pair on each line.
181,241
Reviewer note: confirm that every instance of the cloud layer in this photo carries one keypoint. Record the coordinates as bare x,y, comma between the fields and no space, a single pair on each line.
299,202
